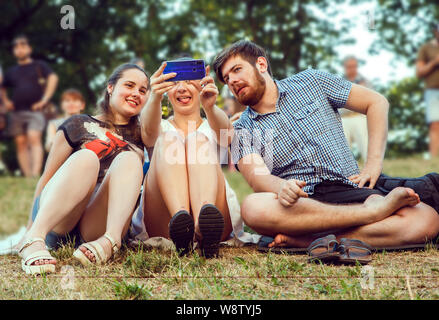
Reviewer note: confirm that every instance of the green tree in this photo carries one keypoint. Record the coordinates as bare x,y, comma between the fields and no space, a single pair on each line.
407,128
403,26
296,34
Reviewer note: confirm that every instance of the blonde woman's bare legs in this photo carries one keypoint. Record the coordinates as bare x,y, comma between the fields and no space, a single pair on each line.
174,184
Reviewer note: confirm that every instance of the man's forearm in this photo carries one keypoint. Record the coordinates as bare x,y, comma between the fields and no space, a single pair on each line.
4,95
265,183
52,82
423,70
377,118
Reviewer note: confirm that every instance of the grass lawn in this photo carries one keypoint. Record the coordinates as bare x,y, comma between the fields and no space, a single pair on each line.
240,273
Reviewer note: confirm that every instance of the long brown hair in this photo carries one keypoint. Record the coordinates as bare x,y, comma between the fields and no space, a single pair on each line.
104,107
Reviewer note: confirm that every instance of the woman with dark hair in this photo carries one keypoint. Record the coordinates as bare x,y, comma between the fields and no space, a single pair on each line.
92,178
185,195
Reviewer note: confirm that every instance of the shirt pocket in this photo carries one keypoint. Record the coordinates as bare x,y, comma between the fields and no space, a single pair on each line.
309,120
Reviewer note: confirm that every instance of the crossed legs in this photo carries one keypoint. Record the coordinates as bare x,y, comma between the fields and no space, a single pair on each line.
396,219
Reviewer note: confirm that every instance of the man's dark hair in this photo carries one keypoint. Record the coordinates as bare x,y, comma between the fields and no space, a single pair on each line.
20,37
247,50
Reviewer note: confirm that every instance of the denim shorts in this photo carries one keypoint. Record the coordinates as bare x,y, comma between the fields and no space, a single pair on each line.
55,240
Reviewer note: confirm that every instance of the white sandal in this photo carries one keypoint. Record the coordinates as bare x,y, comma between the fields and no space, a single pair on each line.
26,262
98,251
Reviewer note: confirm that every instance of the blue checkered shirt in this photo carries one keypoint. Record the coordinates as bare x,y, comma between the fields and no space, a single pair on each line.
303,139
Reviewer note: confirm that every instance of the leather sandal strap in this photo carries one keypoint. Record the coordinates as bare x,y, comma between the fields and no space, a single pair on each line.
359,248
97,250
114,246
29,241
324,242
355,243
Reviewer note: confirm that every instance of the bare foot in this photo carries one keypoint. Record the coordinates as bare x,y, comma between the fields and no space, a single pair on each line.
282,240
397,198
34,247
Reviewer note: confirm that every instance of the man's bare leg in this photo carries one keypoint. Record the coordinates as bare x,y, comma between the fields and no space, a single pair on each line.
264,213
23,154
36,152
409,225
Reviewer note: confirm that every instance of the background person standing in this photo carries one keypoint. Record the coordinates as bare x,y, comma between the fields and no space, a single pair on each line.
32,83
354,123
427,68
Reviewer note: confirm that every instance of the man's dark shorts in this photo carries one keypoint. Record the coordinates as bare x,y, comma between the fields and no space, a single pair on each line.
339,192
23,121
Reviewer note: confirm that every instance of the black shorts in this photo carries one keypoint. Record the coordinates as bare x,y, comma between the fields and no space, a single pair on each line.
340,192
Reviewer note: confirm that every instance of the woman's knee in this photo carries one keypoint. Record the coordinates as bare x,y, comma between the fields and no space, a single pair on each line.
128,158
200,150
86,160
170,148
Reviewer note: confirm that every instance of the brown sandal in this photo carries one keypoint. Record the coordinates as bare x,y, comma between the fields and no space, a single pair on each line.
324,250
353,251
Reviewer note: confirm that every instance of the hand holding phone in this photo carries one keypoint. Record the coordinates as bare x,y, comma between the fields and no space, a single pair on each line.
185,69
160,82
209,91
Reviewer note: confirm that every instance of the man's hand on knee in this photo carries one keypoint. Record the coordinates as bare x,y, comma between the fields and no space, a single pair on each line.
290,191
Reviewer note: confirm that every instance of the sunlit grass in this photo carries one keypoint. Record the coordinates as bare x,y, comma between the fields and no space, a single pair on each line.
240,273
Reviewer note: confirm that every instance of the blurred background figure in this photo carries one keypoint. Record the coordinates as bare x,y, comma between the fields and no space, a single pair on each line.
354,123
72,102
3,123
427,68
138,61
32,83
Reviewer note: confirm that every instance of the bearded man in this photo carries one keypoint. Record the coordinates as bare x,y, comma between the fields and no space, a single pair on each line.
290,147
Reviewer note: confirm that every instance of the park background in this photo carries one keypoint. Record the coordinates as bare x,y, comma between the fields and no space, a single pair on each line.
384,35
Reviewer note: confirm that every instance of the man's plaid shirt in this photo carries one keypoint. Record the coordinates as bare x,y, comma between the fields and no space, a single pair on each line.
303,139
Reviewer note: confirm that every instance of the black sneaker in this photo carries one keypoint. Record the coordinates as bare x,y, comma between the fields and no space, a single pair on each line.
181,231
211,223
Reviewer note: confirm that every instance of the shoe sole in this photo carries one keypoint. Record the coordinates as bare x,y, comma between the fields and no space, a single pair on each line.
38,269
354,261
211,223
181,231
327,258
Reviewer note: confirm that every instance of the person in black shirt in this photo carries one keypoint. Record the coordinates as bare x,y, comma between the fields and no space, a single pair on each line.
32,83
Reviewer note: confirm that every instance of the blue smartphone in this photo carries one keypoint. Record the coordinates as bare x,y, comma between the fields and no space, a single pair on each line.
185,69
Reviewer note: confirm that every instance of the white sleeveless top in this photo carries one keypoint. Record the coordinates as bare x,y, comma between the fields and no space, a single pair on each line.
238,237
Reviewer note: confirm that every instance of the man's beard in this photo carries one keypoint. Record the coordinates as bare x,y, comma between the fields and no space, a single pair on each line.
255,95
24,58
